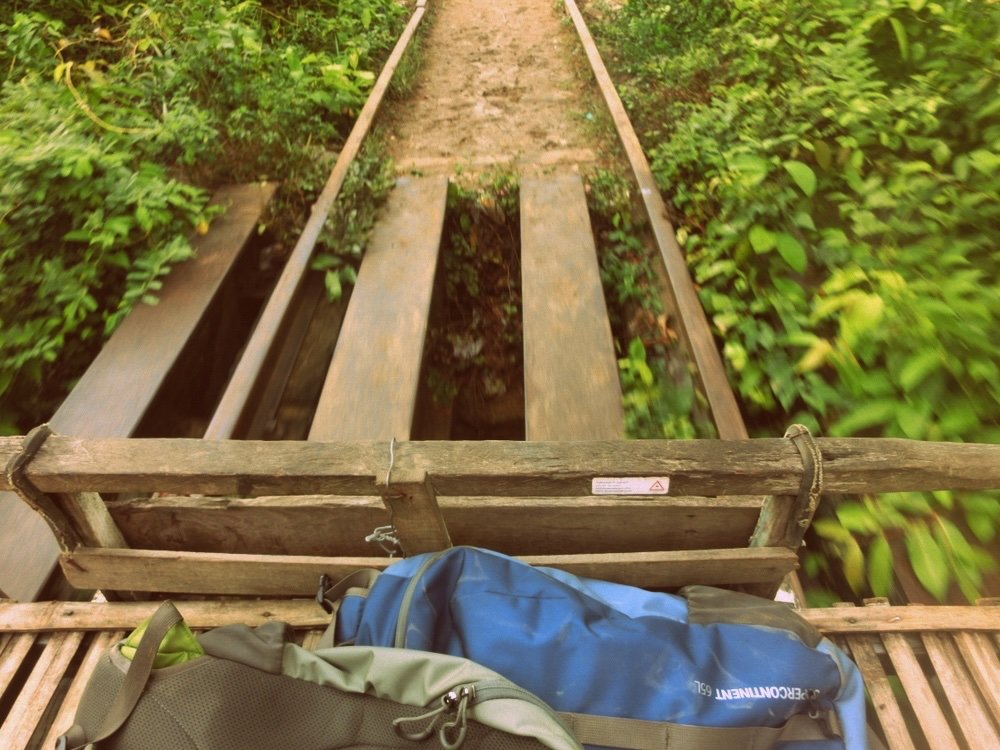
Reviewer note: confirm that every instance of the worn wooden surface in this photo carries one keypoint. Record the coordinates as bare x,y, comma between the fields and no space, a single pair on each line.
232,412
910,619
693,322
262,575
371,387
414,513
571,385
117,389
33,617
500,468
974,722
338,525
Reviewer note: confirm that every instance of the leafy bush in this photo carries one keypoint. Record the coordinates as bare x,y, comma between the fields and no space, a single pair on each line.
833,167
111,112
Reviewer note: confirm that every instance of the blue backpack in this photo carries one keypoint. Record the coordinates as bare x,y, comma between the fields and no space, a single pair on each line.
626,668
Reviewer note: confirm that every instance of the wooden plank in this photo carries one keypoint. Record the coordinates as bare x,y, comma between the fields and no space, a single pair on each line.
912,618
63,719
973,720
918,690
326,525
87,616
499,468
880,690
311,640
127,374
33,700
571,385
980,657
370,391
262,575
694,323
232,408
414,513
13,655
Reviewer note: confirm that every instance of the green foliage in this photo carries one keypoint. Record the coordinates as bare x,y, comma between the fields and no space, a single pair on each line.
835,168
111,112
345,234
479,341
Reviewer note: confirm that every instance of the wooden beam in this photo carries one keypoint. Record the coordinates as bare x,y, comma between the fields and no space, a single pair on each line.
231,411
571,385
261,575
694,324
695,467
414,513
323,526
910,619
64,616
880,691
371,387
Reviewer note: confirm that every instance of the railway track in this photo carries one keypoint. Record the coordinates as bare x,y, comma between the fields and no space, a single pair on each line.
364,359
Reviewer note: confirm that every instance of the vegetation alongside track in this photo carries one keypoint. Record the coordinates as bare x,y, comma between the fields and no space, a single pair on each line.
834,170
117,118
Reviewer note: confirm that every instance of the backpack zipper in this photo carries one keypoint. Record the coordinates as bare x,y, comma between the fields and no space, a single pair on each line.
450,719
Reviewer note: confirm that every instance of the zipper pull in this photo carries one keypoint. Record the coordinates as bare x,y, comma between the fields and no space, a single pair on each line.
451,733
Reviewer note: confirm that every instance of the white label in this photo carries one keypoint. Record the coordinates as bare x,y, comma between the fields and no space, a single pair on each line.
630,485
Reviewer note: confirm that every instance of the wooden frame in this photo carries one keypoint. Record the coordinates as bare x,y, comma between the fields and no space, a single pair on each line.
533,500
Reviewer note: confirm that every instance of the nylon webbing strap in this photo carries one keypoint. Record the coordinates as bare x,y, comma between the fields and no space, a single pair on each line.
636,734
358,582
135,679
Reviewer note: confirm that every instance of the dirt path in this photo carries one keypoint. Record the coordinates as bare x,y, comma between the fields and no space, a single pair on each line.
499,84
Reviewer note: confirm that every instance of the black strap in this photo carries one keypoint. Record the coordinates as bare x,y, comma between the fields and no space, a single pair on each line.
135,681
357,582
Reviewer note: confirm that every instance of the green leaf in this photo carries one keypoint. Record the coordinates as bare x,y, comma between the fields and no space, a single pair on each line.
827,528
753,168
880,566
928,560
792,251
855,517
945,498
333,287
824,156
761,239
854,565
867,415
803,175
901,38
982,526
918,367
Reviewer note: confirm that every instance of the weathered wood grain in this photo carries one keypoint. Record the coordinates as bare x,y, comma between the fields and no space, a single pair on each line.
329,526
17,648
88,616
414,513
910,619
693,322
232,410
983,662
929,714
571,388
262,575
371,387
123,380
974,722
500,468
33,699
880,691
63,719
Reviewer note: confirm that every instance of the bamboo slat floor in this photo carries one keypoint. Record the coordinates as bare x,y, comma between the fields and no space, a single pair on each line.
931,672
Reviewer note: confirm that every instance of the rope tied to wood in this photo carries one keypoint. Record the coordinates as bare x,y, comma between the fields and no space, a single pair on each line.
17,466
811,486
16,475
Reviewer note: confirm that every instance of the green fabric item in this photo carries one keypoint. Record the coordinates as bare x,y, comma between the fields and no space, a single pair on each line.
177,647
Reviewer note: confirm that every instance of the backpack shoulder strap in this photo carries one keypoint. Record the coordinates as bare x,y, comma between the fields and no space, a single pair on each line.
637,734
135,682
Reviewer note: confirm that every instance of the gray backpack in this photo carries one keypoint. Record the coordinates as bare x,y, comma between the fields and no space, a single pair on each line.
254,688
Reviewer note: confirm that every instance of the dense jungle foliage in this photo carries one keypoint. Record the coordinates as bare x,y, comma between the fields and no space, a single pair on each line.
117,119
833,168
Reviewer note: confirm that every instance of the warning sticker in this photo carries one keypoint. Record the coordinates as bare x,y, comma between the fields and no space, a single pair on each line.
630,485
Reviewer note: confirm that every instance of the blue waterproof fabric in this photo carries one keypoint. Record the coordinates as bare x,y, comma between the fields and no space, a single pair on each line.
602,648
